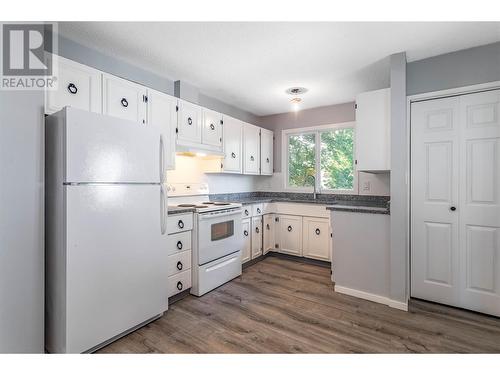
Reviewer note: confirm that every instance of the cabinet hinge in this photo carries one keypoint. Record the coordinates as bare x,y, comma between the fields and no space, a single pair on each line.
222,122
331,272
276,219
331,234
145,98
176,130
176,108
220,139
221,165
276,246
355,106
356,161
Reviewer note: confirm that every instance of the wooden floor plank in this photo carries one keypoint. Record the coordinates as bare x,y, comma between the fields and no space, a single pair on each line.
282,306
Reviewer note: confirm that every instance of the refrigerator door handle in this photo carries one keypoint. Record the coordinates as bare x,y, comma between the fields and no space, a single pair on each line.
162,160
163,211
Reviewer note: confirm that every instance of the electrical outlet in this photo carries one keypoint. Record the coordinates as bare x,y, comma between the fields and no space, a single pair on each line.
367,186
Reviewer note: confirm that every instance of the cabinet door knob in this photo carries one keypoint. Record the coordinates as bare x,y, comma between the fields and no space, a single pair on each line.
124,102
257,230
233,155
252,158
245,232
190,121
179,265
267,160
180,224
179,245
179,285
258,210
72,88
212,126
317,231
246,212
289,228
453,208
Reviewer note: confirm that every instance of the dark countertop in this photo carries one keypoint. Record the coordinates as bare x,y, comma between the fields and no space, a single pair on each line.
172,210
359,209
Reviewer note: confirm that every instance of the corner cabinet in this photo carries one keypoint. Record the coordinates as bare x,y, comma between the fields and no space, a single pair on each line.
251,149
373,131
266,152
79,87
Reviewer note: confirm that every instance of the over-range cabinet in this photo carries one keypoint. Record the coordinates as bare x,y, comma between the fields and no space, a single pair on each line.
106,228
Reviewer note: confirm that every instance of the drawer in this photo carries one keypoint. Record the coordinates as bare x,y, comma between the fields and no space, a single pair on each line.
257,209
268,208
246,211
178,242
179,223
179,282
179,262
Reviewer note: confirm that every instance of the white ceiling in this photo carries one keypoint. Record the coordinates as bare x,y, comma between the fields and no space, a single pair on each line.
250,65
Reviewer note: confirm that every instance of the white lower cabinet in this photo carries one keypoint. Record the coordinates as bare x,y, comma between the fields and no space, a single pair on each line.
268,228
179,253
247,237
316,238
256,236
290,234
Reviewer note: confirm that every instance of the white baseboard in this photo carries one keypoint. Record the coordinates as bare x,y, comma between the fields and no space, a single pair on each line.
372,297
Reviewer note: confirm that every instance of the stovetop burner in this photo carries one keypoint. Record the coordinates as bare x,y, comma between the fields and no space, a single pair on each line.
200,206
186,205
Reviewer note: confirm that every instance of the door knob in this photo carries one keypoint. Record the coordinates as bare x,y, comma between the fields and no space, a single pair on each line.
453,208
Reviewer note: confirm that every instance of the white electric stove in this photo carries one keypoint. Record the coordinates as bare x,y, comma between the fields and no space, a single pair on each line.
217,236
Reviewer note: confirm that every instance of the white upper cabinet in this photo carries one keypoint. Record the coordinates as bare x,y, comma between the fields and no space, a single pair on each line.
162,113
79,86
211,129
266,152
124,99
232,162
373,126
189,123
251,149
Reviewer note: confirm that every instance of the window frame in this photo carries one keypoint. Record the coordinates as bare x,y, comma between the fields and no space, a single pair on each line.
317,130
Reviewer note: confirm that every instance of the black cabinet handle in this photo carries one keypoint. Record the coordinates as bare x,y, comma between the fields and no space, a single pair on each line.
257,230
245,232
289,228
317,231
258,210
179,266
179,245
267,226
212,126
246,212
453,208
124,102
252,158
233,155
179,285
180,224
267,160
72,88
190,121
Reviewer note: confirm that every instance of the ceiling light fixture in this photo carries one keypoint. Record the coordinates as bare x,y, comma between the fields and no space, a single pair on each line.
295,92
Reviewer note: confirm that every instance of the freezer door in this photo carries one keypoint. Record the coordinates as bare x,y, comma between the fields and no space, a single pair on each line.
116,260
101,148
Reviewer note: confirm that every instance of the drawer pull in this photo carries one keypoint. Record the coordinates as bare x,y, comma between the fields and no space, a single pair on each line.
212,126
179,245
257,230
72,88
245,232
179,265
317,231
124,102
233,155
246,212
190,121
180,224
289,228
179,285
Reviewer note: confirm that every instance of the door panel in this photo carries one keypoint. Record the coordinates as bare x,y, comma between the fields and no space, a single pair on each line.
120,257
256,237
291,234
251,149
189,123
232,145
123,99
212,128
247,237
438,253
316,238
266,152
268,229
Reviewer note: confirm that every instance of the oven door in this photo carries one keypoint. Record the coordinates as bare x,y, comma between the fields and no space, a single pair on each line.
219,234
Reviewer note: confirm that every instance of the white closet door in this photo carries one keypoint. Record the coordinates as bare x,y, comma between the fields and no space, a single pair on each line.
479,207
434,255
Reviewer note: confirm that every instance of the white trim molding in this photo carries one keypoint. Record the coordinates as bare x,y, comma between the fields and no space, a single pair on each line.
372,297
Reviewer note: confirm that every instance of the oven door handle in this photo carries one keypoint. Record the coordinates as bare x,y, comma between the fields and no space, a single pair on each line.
216,216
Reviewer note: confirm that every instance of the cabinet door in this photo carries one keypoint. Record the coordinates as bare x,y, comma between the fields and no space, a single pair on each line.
79,87
251,149
189,122
212,129
162,113
373,111
266,152
291,234
232,162
256,236
247,237
316,238
268,229
124,99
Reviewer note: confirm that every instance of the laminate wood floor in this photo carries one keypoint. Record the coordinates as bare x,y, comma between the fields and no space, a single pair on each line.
283,306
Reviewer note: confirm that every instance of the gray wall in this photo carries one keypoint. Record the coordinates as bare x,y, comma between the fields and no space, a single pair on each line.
399,187
461,68
21,222
309,117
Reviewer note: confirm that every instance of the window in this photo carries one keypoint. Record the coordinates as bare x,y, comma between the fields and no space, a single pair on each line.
324,155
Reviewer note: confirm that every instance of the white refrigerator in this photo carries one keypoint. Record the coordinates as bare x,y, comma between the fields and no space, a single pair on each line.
106,239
